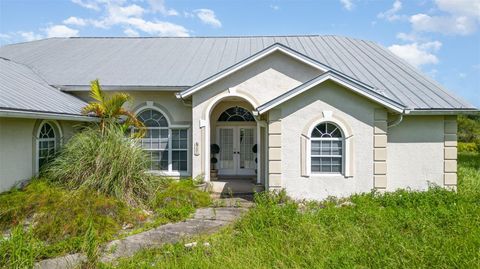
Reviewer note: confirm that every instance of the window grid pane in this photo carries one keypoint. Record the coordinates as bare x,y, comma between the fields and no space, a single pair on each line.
326,149
160,141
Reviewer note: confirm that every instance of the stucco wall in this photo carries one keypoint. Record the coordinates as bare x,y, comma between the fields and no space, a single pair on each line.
257,83
415,153
354,111
176,111
18,148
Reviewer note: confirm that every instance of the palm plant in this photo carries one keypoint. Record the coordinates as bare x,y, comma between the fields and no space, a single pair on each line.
110,109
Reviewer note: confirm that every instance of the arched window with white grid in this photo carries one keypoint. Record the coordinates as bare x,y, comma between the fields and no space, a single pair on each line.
327,149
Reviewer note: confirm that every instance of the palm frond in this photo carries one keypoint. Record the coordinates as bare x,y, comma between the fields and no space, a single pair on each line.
96,91
114,104
95,108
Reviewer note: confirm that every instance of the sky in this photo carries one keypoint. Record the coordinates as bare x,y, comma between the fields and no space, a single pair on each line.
439,37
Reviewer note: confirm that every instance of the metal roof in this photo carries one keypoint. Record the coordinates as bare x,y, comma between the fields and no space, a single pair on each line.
335,76
183,62
22,90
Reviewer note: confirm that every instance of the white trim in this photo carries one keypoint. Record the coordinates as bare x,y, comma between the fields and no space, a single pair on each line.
57,131
325,77
248,61
151,105
44,115
207,114
170,171
346,151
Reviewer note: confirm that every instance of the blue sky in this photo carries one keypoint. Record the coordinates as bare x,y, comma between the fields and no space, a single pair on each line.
440,37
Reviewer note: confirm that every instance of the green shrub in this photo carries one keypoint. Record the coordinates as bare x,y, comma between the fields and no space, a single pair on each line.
178,199
90,246
60,217
468,147
20,250
109,163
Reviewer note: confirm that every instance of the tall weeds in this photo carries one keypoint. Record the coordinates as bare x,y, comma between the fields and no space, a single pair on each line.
109,163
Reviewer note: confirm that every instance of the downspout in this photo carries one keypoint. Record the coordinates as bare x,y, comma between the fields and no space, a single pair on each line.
395,122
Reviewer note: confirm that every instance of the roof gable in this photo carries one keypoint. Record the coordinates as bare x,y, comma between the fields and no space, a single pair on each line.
277,47
352,84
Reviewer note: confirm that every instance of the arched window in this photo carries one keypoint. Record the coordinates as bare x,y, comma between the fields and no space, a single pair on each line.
236,114
167,147
46,144
327,150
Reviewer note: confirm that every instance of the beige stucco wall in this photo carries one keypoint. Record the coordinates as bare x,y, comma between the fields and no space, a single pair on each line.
18,148
356,113
175,110
256,83
415,153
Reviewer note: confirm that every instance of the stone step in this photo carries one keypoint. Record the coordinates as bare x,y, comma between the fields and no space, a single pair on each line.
235,186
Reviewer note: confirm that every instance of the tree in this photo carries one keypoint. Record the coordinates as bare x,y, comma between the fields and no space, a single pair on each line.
109,109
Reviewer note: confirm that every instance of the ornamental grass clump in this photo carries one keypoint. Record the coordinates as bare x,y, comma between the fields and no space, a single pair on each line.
105,161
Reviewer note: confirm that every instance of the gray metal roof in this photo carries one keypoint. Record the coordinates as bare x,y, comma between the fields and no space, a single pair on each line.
21,89
183,62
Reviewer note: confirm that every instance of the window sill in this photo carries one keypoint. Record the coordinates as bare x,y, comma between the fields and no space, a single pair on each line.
169,174
332,175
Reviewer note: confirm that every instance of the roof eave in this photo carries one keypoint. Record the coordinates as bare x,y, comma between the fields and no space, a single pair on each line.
249,60
356,86
28,114
442,111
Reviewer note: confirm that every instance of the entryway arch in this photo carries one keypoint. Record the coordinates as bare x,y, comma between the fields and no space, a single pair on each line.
244,135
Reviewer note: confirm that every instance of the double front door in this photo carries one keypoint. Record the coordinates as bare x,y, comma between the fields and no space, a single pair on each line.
237,156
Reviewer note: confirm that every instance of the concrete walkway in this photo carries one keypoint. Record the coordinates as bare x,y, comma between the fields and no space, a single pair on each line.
204,221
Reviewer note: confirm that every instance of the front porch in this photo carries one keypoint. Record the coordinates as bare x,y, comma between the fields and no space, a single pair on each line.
233,186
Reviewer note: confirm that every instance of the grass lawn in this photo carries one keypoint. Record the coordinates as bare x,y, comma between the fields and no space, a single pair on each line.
433,229
44,220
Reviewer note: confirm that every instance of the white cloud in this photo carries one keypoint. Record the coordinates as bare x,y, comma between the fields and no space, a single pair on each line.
131,33
207,16
449,25
30,36
462,75
469,8
347,4
407,37
90,4
159,6
462,18
417,54
60,31
75,21
391,14
274,7
159,28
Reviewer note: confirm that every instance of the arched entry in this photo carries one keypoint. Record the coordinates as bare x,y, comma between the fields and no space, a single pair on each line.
235,135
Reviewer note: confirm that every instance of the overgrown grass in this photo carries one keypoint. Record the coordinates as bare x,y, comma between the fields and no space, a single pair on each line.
107,162
59,218
46,220
433,229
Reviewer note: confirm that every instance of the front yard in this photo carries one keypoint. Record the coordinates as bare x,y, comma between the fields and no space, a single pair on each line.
434,229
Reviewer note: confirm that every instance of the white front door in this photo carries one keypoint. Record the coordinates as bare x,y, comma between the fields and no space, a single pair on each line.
236,155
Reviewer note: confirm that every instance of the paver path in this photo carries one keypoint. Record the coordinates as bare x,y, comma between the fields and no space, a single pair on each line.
205,220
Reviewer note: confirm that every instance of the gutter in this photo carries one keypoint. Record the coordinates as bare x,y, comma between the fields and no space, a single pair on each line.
44,115
442,111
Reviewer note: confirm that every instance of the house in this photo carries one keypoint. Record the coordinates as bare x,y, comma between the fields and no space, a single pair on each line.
315,115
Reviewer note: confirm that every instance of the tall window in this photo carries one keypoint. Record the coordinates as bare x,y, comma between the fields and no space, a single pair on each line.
47,144
327,149
236,114
167,147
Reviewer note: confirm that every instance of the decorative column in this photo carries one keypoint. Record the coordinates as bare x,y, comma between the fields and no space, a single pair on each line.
274,150
450,152
380,149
